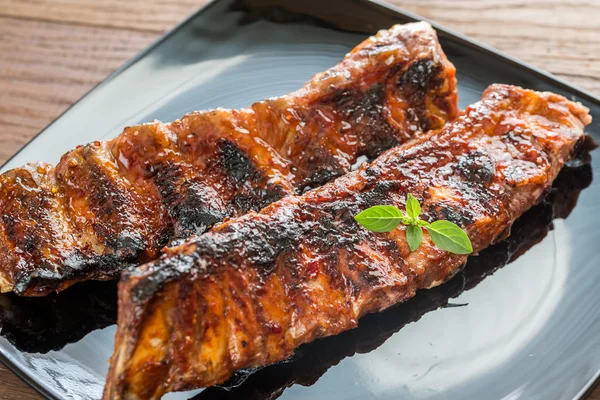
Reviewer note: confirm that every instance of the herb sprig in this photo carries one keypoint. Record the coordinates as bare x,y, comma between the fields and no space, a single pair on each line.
445,234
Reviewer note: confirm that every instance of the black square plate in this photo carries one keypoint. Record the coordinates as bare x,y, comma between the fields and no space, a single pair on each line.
530,331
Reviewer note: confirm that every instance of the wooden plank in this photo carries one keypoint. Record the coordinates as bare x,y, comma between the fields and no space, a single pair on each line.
147,15
14,388
546,33
45,67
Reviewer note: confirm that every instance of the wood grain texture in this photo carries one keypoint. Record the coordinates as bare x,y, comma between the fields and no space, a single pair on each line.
54,51
12,387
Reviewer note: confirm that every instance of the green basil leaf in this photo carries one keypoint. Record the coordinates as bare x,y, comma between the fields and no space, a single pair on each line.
406,220
380,218
414,236
413,208
448,236
420,222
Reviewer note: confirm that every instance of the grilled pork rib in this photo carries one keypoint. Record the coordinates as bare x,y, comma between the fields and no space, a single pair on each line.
254,288
314,359
111,204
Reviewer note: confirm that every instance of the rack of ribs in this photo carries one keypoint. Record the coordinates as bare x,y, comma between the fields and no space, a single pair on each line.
253,288
314,359
111,204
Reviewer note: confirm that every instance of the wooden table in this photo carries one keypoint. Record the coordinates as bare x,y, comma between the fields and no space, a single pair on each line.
54,51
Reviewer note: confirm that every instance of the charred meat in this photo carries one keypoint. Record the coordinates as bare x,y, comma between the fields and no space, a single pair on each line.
110,204
254,288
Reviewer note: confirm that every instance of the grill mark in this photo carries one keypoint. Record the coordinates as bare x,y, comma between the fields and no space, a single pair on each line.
235,162
140,153
194,206
419,75
58,232
108,202
191,205
34,214
415,87
200,208
284,233
85,258
254,191
365,112
476,167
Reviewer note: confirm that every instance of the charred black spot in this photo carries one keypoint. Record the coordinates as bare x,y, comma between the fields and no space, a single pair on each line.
234,161
123,242
269,242
193,206
10,226
28,237
129,244
323,174
364,112
476,167
256,199
265,242
378,144
354,104
74,266
195,212
453,215
379,193
420,79
194,220
111,204
336,227
106,197
166,179
253,192
28,243
170,268
419,74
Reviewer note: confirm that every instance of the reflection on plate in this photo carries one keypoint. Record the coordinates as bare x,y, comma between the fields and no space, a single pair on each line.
42,324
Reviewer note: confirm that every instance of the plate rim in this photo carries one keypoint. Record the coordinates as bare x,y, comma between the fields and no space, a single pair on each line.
440,29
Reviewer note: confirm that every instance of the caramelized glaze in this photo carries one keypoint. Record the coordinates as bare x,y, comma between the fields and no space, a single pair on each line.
254,288
111,204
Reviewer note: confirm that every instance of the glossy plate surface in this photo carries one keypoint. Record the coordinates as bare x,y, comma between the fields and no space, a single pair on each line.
529,331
